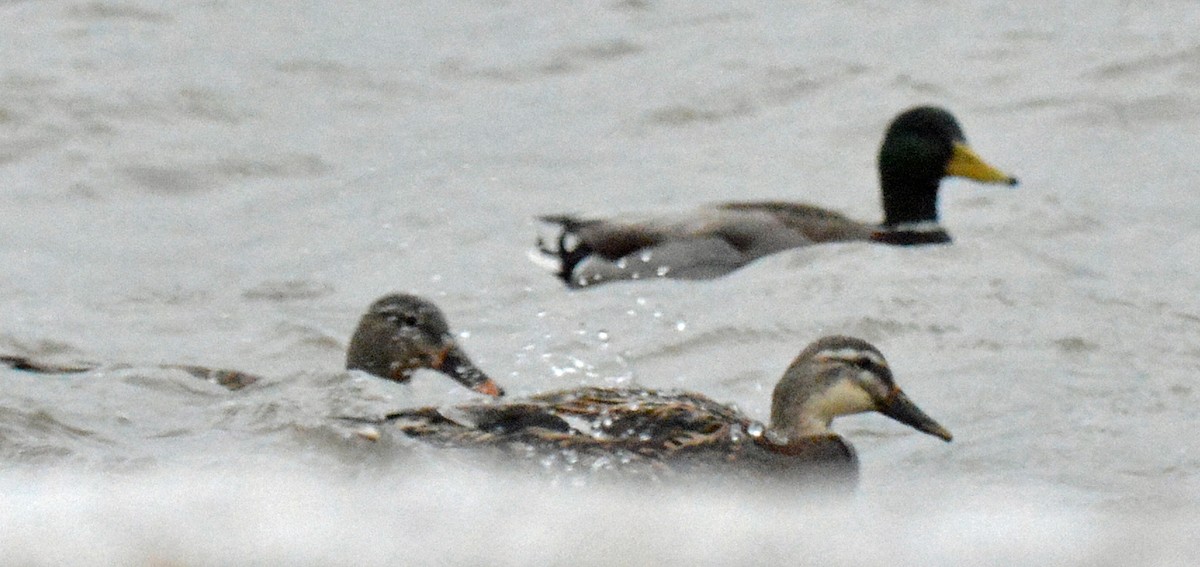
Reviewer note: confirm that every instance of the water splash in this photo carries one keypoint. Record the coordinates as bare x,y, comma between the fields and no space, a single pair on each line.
756,429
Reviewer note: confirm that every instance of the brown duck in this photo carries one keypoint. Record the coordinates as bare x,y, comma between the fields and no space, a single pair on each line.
398,335
922,146
657,432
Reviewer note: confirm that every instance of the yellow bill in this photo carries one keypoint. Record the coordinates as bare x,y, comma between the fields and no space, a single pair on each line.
966,163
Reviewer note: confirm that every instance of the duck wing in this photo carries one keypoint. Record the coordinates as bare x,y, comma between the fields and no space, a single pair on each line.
703,244
815,223
643,424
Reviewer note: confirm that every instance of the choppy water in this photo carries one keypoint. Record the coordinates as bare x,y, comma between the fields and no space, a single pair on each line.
231,183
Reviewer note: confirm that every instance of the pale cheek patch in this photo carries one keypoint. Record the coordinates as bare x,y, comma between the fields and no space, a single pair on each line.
844,398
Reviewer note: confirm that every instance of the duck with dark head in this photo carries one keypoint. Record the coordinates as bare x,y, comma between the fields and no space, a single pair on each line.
401,333
922,146
398,335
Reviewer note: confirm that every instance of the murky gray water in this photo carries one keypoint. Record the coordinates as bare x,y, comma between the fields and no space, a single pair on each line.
231,183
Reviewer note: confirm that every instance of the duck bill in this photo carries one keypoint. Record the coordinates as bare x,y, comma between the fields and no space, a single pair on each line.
453,362
898,407
964,162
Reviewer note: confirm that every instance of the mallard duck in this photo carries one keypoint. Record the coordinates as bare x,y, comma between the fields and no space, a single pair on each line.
649,430
402,333
398,335
922,146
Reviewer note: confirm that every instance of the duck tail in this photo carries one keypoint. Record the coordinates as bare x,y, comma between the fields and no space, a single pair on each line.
565,249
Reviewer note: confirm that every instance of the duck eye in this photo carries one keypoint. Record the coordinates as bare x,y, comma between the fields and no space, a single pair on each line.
869,363
402,319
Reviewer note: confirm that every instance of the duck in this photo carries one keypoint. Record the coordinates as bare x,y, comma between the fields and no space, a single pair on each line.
921,146
398,335
661,433
401,333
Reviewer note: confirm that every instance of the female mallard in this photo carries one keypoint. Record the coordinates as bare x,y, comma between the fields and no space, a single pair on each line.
398,335
922,146
650,431
401,333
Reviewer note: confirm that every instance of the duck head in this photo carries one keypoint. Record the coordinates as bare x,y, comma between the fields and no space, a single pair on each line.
840,375
401,333
922,146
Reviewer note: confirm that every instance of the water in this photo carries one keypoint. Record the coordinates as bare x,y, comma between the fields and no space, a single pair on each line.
231,184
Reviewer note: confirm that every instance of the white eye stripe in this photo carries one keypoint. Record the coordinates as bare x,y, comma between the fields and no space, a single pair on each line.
853,356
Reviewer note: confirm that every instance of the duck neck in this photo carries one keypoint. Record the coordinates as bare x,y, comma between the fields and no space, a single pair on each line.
790,422
910,214
805,426
908,201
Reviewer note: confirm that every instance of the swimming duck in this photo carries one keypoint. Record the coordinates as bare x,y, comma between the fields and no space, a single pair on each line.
922,146
639,430
402,333
398,335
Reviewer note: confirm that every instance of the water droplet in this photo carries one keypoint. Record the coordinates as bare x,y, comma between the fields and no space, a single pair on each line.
602,335
646,255
369,433
640,301
755,429
735,433
680,325
662,271
602,463
464,334
622,264
559,371
541,314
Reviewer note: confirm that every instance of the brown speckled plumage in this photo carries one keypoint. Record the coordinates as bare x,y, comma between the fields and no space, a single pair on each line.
649,431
